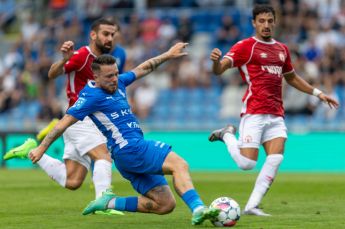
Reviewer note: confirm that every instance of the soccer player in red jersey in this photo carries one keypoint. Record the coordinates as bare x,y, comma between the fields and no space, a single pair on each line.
83,141
262,62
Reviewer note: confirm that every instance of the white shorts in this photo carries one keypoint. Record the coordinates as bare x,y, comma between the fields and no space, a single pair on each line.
256,129
79,139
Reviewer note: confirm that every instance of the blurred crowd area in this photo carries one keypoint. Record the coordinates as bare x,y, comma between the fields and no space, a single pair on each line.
181,94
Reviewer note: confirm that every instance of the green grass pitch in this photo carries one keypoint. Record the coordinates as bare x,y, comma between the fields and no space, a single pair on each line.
29,199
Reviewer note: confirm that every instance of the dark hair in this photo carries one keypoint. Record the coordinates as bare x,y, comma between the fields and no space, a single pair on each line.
115,21
263,8
102,21
104,59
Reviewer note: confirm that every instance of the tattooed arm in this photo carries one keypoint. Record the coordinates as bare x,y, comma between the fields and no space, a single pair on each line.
150,65
36,154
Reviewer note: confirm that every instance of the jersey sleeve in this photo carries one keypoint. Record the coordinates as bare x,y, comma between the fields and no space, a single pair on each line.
74,63
127,78
85,105
287,65
239,54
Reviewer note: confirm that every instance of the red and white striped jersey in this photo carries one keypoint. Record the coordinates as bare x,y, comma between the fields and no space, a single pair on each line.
78,71
261,65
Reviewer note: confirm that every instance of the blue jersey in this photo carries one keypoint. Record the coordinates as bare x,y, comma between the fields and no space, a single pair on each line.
111,113
120,56
138,160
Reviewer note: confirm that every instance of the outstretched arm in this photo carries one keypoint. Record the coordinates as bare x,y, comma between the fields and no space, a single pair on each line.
67,50
36,154
150,65
300,84
219,66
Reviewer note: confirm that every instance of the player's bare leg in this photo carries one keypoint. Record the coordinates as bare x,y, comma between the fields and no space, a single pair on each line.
76,174
183,184
159,200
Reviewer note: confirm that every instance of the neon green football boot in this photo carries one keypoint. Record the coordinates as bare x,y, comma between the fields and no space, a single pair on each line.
47,129
109,212
21,151
99,204
204,213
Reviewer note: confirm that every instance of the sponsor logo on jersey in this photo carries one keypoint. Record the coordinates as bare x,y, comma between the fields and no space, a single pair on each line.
79,103
282,57
263,55
248,139
109,97
122,112
132,124
276,70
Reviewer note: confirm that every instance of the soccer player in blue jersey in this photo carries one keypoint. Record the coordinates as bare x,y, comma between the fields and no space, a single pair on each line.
140,161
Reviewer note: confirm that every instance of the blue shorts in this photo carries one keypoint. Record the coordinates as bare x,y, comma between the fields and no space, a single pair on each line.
142,165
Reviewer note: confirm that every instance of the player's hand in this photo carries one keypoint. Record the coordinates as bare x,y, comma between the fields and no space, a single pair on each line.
36,154
216,54
177,50
67,50
332,103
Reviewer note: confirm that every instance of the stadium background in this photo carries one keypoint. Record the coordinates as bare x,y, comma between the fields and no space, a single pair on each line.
182,101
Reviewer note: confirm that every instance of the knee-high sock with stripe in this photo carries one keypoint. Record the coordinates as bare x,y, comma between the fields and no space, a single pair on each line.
264,180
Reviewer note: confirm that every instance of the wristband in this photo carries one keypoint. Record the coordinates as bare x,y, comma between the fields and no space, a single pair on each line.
316,92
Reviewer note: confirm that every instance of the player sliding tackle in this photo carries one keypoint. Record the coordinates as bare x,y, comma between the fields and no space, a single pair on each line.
142,162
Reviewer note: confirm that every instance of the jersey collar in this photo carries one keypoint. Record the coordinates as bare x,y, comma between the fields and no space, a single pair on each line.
88,48
264,42
91,83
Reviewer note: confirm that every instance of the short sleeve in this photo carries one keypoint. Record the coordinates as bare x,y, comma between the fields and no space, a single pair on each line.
239,54
84,106
74,63
287,65
127,78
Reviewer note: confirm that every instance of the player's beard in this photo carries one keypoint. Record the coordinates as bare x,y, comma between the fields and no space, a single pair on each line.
111,88
266,37
102,47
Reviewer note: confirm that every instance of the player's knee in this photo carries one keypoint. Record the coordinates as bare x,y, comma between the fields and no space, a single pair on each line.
182,165
246,164
167,206
73,184
101,156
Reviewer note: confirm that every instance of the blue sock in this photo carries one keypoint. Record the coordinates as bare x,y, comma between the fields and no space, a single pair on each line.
192,199
129,204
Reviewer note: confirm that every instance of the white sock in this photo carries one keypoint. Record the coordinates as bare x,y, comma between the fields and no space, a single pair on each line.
55,169
232,145
101,176
264,180
111,204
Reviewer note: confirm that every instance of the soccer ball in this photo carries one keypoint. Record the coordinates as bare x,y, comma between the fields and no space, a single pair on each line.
230,212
